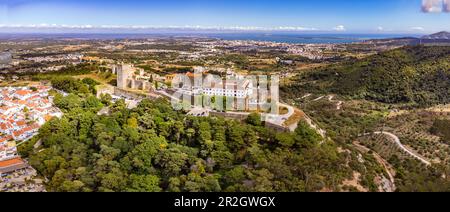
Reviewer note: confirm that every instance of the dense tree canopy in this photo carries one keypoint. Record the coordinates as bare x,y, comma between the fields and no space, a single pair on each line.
418,75
154,148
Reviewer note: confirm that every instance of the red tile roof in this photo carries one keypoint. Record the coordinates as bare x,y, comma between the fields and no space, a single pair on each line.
22,92
12,162
21,123
12,165
7,138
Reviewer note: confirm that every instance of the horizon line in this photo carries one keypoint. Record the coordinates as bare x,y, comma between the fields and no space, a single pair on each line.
142,28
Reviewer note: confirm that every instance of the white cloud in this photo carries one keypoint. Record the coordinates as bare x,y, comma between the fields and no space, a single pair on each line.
339,28
142,27
417,28
47,26
432,6
296,28
380,28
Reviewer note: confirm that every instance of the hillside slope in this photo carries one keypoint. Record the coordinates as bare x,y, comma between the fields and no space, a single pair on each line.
418,75
438,36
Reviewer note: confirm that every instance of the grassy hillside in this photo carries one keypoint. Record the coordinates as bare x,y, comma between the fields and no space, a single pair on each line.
419,75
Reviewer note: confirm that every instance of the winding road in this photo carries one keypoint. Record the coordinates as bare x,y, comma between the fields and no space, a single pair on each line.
338,103
399,144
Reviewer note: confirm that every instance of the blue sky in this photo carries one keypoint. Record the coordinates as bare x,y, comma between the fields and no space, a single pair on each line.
400,16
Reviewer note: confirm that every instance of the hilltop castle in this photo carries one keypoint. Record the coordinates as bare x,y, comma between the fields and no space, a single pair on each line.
129,77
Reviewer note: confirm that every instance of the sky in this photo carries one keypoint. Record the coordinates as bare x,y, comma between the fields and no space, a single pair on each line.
338,16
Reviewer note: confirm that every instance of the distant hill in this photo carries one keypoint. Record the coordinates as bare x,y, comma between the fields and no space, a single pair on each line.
433,39
438,36
419,75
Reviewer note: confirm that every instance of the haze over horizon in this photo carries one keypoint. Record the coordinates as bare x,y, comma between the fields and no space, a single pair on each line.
306,16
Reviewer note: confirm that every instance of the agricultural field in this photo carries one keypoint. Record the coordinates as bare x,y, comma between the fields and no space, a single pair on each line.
415,131
352,124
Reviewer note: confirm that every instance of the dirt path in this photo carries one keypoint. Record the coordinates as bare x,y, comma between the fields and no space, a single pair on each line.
355,182
387,167
338,103
317,99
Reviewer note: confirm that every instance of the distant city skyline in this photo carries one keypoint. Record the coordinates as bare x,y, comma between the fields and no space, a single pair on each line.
308,16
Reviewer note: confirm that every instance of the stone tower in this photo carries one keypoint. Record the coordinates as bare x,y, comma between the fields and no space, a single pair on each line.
124,73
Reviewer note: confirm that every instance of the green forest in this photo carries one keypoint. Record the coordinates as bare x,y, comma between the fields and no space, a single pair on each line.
154,148
415,75
441,128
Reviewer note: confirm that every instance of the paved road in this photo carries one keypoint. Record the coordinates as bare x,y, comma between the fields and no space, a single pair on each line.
399,144
290,112
26,140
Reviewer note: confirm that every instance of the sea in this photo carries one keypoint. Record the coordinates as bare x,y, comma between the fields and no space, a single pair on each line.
310,38
292,38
